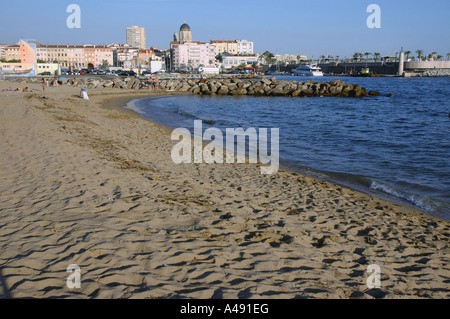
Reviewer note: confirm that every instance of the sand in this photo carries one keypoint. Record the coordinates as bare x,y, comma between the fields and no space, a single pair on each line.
85,183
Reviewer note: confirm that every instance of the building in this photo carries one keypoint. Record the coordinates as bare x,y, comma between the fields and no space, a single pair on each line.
290,58
225,46
136,37
188,54
25,55
76,56
185,34
192,55
233,61
2,51
244,47
47,68
67,56
12,52
145,56
122,53
97,56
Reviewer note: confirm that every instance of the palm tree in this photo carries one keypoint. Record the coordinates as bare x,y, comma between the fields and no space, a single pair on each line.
433,55
268,57
419,54
367,55
407,53
377,56
355,56
439,57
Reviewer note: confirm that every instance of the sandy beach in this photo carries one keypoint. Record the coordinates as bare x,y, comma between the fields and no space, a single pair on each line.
84,182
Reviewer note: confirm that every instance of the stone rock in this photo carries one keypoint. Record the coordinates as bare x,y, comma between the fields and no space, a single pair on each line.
335,82
223,90
335,90
204,87
212,88
134,84
296,93
196,89
108,84
232,87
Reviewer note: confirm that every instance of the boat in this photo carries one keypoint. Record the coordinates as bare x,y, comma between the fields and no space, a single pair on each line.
308,70
366,73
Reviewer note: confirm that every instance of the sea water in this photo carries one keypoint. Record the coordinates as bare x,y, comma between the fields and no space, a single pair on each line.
395,146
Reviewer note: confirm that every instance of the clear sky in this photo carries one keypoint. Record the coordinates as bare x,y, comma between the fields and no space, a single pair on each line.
312,28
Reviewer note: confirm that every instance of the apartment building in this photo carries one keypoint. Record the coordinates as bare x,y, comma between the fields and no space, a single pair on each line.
136,37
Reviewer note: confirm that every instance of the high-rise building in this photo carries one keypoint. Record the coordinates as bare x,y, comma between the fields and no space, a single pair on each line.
136,37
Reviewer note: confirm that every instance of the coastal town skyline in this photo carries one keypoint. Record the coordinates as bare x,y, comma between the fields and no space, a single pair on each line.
339,29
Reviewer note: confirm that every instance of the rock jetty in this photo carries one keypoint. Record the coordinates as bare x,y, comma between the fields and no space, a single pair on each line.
229,86
435,73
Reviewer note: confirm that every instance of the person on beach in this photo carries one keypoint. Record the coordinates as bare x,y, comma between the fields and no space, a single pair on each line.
150,83
156,83
75,82
43,84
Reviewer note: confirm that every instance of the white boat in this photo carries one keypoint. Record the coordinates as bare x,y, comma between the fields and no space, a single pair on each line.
308,70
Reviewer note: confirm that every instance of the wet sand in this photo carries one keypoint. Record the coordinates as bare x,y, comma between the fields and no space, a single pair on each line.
84,182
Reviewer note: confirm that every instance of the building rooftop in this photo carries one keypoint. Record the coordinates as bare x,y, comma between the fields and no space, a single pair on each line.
185,27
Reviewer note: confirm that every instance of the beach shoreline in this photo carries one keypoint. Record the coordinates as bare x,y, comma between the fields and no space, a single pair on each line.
121,105
88,182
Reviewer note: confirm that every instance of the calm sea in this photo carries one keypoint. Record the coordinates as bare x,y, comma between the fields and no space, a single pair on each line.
394,147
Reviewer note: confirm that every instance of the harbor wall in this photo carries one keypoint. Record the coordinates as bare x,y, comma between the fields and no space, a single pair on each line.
427,65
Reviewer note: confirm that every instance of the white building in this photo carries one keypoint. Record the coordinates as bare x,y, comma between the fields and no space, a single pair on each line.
244,47
2,50
192,55
188,54
233,61
123,53
288,58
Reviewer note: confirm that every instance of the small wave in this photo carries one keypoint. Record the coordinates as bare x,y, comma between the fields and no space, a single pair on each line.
186,114
132,105
426,204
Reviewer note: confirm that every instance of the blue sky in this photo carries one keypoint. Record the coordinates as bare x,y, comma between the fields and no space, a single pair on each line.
313,28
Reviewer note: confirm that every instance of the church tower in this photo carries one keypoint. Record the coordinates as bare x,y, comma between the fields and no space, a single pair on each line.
185,33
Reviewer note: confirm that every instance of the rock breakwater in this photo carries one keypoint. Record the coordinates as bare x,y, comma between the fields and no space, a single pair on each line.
233,86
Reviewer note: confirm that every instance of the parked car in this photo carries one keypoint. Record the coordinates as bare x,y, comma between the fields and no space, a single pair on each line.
127,73
45,73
